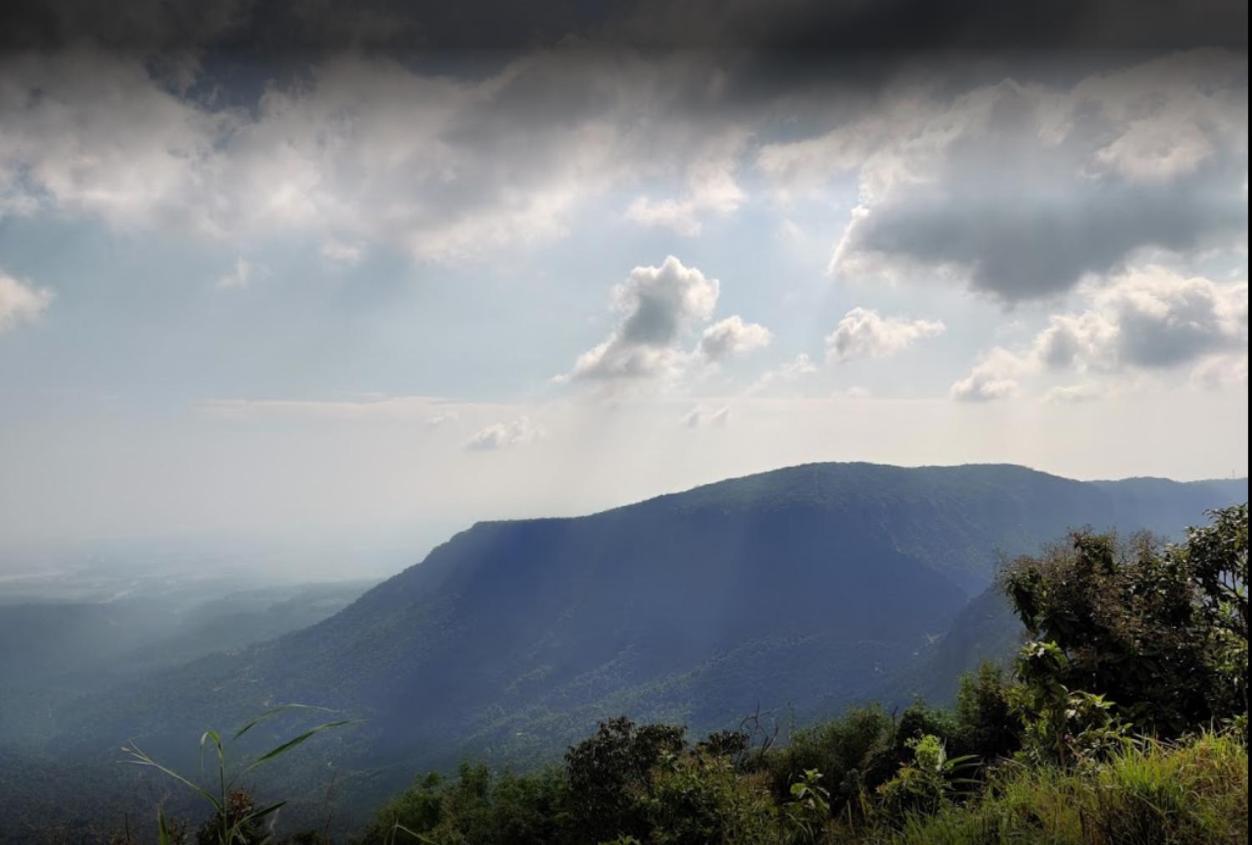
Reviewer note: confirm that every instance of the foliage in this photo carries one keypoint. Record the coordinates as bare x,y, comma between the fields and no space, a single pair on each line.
235,818
928,781
609,775
853,753
1103,734
809,808
1061,726
699,798
987,723
1151,793
474,807
1046,755
1159,630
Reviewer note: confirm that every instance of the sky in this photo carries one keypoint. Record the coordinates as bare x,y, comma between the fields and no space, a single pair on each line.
323,273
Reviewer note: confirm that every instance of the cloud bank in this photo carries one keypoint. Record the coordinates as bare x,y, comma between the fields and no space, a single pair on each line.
1151,319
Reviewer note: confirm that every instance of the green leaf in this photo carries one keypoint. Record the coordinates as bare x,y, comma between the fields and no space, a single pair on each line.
165,836
256,815
274,711
139,758
399,828
292,743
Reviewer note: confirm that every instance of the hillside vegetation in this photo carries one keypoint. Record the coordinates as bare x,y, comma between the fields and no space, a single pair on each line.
1124,720
792,595
515,638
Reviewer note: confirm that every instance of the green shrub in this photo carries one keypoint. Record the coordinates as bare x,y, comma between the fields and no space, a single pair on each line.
987,723
1159,630
1193,793
699,798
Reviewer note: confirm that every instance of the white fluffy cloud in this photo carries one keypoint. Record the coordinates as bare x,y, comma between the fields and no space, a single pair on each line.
658,308
995,376
20,302
502,435
1149,319
1022,189
732,336
88,132
863,333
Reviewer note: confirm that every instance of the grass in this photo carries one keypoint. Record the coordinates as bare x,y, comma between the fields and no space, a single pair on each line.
1151,794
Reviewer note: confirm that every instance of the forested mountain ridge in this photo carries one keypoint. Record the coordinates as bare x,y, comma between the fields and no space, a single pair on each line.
800,590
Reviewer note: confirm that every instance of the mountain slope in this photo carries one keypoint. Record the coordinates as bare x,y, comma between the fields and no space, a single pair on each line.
802,588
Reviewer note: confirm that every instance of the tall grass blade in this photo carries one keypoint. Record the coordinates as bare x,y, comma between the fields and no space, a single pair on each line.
274,711
139,758
292,743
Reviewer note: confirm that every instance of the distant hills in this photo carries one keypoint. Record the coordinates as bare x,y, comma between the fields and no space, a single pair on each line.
52,651
796,591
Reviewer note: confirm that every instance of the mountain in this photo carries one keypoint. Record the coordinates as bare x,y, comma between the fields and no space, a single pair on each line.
986,629
52,651
796,591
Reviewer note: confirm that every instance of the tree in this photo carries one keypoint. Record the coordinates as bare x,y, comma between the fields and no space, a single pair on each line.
1158,630
609,776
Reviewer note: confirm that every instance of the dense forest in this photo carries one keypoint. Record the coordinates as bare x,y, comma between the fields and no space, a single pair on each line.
1122,719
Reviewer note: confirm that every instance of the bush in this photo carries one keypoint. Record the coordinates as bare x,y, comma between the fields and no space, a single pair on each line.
699,798
987,723
1192,793
1159,630
852,752
926,783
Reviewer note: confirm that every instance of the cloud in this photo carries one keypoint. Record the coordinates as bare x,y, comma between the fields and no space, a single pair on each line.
1151,318
862,333
342,253
1072,393
787,372
656,306
20,302
503,435
712,189
732,336
1148,319
1020,190
92,133
701,418
1217,372
993,377
287,25
359,149
240,276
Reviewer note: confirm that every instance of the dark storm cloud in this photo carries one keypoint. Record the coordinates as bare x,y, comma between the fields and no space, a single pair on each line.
781,24
1021,190
1019,245
1024,170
